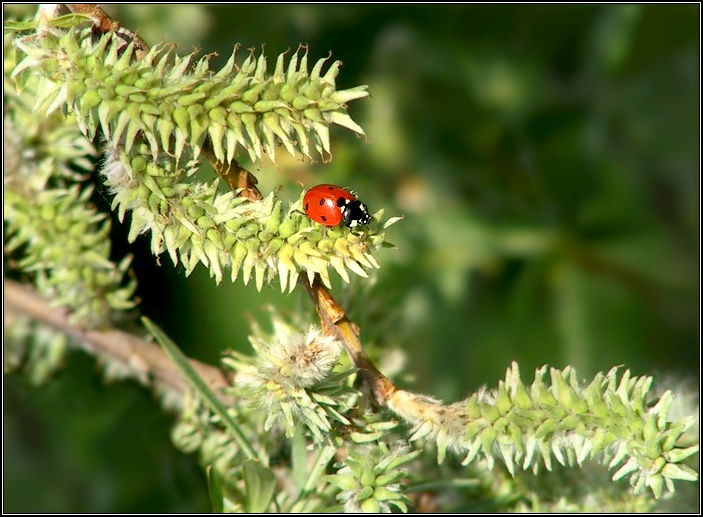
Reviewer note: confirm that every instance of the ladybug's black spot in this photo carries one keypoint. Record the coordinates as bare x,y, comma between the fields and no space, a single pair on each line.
306,206
323,218
322,202
330,188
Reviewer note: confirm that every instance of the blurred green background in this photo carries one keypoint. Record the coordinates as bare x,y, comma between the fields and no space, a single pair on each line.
546,160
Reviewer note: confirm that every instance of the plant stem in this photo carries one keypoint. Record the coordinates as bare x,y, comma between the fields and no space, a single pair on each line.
335,321
141,355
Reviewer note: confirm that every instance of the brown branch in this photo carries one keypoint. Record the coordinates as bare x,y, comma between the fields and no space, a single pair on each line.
236,176
140,355
335,322
102,23
100,18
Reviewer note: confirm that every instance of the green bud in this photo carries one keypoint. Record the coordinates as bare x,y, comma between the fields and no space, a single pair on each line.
569,423
302,103
473,408
369,505
273,246
343,96
124,90
246,232
238,254
252,94
636,426
265,235
100,73
367,478
181,119
195,212
682,472
252,245
325,245
314,235
522,399
309,249
286,256
296,237
313,114
543,396
191,99
488,438
388,478
269,105
347,483
472,429
273,222
653,450
288,92
546,429
678,455
500,424
235,224
503,402
214,236
90,99
489,412
302,259
228,240
327,105
602,439
48,212
381,493
143,83
596,405
651,429
312,90
218,115
239,107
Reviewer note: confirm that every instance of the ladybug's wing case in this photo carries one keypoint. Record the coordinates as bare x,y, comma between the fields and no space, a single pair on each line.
322,207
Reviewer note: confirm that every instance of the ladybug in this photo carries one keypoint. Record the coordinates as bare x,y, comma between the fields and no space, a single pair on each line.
331,205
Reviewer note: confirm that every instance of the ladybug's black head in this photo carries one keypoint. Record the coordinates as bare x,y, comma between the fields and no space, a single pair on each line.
355,214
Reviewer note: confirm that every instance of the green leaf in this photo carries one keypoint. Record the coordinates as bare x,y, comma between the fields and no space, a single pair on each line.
324,456
198,384
15,26
214,482
69,20
261,485
299,469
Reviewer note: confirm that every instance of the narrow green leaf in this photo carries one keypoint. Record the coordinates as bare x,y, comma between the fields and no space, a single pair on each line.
299,467
261,485
324,456
198,384
214,482
14,26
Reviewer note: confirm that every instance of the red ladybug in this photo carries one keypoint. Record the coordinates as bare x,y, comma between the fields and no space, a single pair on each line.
331,205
